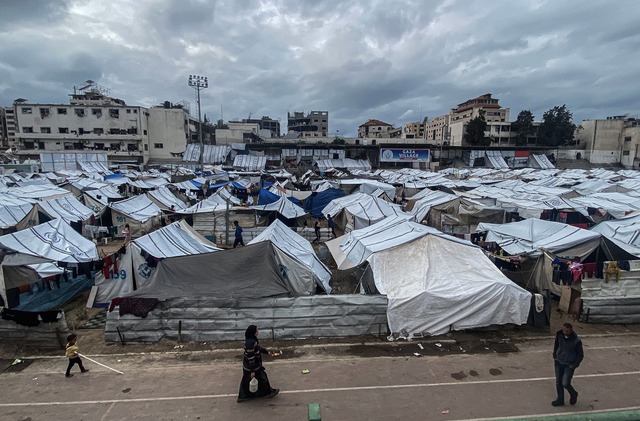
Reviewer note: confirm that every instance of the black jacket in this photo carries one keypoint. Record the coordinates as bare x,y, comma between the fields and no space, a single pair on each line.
568,351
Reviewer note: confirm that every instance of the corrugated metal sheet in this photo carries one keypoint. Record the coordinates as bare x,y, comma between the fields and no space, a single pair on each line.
279,318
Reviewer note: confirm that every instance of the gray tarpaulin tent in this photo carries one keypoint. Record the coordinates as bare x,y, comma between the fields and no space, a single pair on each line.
252,271
297,248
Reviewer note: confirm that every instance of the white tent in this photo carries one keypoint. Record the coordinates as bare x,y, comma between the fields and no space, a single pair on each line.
139,212
531,236
434,282
53,241
297,248
164,198
11,215
68,208
624,232
360,210
177,239
284,207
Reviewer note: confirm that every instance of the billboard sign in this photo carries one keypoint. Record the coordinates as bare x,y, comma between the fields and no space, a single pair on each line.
404,155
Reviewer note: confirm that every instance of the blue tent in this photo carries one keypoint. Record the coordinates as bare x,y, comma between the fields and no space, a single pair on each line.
318,200
265,197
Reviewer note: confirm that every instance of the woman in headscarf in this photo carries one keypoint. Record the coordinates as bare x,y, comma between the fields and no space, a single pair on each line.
252,368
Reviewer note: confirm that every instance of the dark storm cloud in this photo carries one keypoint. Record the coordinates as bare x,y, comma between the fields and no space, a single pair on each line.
31,12
393,61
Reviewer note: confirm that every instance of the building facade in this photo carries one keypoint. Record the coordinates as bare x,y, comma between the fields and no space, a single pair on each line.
93,121
612,140
4,132
496,117
378,129
314,124
415,130
437,130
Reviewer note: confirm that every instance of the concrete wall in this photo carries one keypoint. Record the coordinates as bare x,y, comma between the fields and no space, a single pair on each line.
167,127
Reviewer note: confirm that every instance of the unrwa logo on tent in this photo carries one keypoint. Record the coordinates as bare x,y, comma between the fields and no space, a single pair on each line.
52,236
144,270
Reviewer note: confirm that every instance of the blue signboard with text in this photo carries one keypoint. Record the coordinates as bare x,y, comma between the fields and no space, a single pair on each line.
403,155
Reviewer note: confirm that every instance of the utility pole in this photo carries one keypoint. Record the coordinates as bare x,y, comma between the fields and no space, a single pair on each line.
199,82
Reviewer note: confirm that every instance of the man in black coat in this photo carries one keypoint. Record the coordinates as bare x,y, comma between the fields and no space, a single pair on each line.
567,354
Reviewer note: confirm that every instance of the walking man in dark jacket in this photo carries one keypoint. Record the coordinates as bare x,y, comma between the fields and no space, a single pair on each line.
567,355
238,235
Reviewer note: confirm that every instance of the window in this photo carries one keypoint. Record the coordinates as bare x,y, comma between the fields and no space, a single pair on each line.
44,112
132,130
114,131
115,146
98,131
96,112
45,129
627,138
80,112
40,145
27,130
144,132
62,111
26,110
99,146
128,111
135,111
63,130
81,130
146,147
29,145
158,146
625,153
114,113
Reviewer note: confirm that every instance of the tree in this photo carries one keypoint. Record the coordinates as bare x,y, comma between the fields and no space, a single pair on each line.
523,127
557,127
474,135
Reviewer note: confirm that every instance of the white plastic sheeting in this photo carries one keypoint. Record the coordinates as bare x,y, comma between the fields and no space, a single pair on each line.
213,154
624,232
67,208
346,164
12,214
164,198
53,241
354,248
435,285
531,236
496,160
284,207
140,208
361,210
540,161
298,248
177,239
36,192
370,186
250,162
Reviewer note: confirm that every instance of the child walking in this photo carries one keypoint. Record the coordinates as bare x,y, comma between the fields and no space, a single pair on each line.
72,353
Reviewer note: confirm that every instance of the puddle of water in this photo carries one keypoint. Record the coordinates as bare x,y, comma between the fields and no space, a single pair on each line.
459,376
495,371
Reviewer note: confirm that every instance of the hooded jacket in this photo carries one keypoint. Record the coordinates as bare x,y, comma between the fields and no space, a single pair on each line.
568,351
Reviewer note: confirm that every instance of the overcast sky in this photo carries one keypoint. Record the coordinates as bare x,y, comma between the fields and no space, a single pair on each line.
396,61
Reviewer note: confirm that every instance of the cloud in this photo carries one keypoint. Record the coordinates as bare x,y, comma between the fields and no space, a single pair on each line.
359,60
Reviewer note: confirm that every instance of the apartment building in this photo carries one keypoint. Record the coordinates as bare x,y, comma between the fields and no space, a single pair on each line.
437,130
497,119
4,133
93,121
314,124
612,140
415,130
378,129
